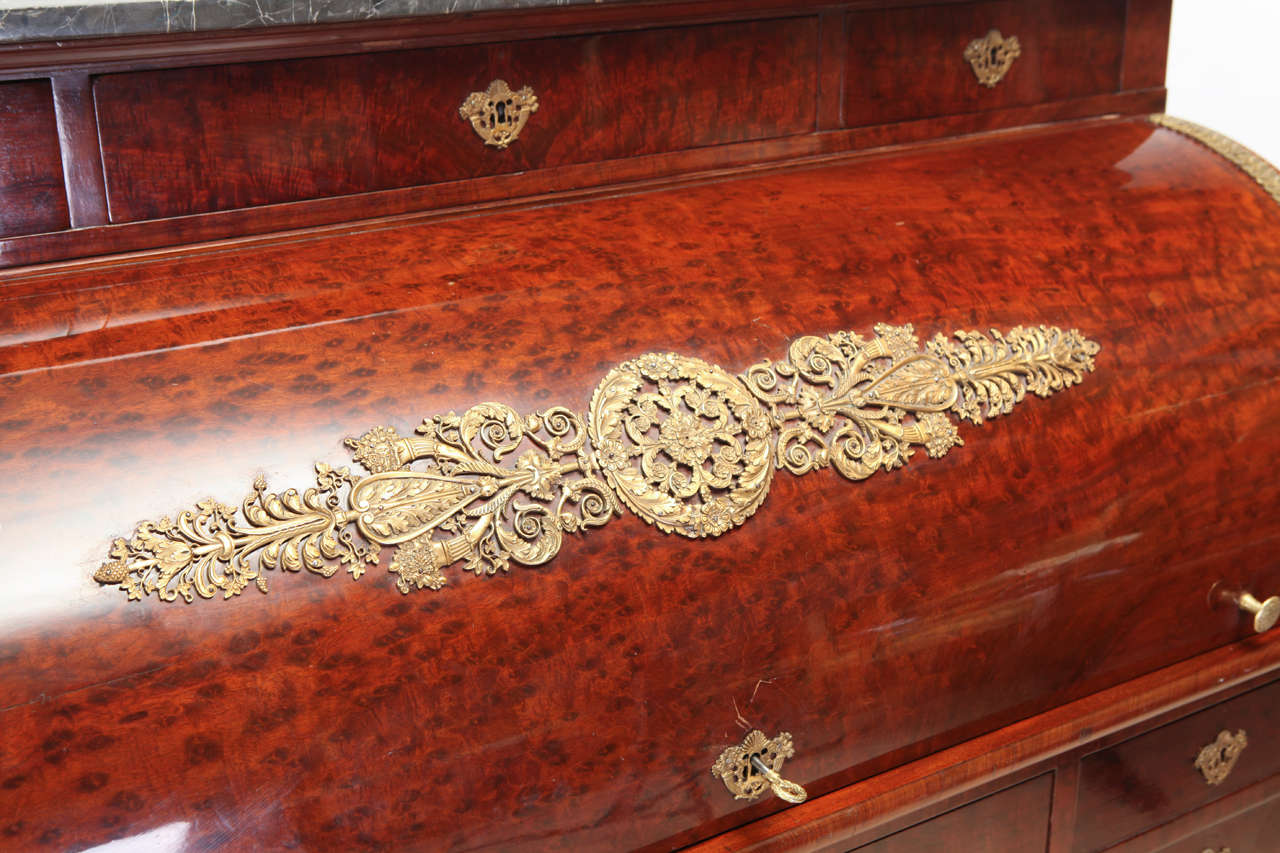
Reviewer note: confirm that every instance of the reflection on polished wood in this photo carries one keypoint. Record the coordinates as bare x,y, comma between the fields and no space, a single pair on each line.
1033,553
1017,645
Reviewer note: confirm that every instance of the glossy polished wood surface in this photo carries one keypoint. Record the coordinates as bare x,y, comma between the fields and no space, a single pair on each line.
203,136
1148,781
31,193
1244,822
1012,821
1066,548
909,64
222,137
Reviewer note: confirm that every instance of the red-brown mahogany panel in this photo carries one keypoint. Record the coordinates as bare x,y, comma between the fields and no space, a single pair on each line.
32,197
132,236
1149,780
909,63
580,705
1256,829
223,137
1146,43
1015,820
1052,741
1245,821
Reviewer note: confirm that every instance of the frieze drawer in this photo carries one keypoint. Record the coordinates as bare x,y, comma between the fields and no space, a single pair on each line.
964,58
235,136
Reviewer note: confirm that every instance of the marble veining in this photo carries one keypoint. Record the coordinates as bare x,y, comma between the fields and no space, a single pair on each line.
23,20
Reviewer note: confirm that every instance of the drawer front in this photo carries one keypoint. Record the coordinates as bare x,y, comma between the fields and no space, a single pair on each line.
32,198
910,63
232,136
1015,820
1152,779
1254,831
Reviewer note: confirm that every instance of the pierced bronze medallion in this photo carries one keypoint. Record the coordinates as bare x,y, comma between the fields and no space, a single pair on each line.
992,56
685,445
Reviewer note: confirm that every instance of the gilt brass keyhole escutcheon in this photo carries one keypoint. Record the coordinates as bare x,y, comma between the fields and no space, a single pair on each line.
498,114
992,56
1216,760
750,769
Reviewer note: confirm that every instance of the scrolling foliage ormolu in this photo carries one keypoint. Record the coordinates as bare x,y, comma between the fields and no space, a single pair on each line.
685,445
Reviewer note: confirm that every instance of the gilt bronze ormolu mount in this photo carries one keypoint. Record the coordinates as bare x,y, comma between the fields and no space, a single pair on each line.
685,445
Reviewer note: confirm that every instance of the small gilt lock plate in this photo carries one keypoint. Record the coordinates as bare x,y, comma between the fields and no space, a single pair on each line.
498,114
992,56
1218,759
752,768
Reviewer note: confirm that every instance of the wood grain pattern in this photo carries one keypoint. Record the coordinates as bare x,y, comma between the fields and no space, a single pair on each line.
1243,821
224,137
81,156
353,129
530,188
1146,44
1053,741
909,64
1256,829
32,198
177,50
580,705
1140,784
1013,821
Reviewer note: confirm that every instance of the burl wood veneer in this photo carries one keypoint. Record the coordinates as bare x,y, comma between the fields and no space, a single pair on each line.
1066,548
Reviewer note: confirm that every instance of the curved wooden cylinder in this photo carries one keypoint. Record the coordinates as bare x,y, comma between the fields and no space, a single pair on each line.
1067,547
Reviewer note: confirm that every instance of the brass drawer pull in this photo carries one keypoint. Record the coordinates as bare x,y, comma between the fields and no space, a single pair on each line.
752,768
1218,759
498,114
992,56
1265,613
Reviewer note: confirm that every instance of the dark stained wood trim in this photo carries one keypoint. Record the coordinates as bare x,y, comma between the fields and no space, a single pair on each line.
1228,807
856,814
1146,43
833,45
81,154
1062,820
176,50
130,237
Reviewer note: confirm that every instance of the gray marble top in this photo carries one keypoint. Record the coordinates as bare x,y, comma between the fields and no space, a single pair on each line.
32,20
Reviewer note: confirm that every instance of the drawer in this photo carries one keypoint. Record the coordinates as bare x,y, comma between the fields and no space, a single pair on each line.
1015,820
32,198
1152,779
1254,831
910,63
194,140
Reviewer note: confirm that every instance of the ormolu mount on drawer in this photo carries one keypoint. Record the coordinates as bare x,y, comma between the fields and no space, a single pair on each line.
687,446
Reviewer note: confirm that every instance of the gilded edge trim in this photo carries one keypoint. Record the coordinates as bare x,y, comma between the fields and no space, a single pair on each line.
685,445
1248,161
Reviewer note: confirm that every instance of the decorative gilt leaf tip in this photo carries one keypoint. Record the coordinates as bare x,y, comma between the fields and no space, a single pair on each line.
682,443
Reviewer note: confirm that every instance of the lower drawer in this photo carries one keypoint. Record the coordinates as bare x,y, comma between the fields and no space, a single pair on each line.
1222,828
1011,821
1154,778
